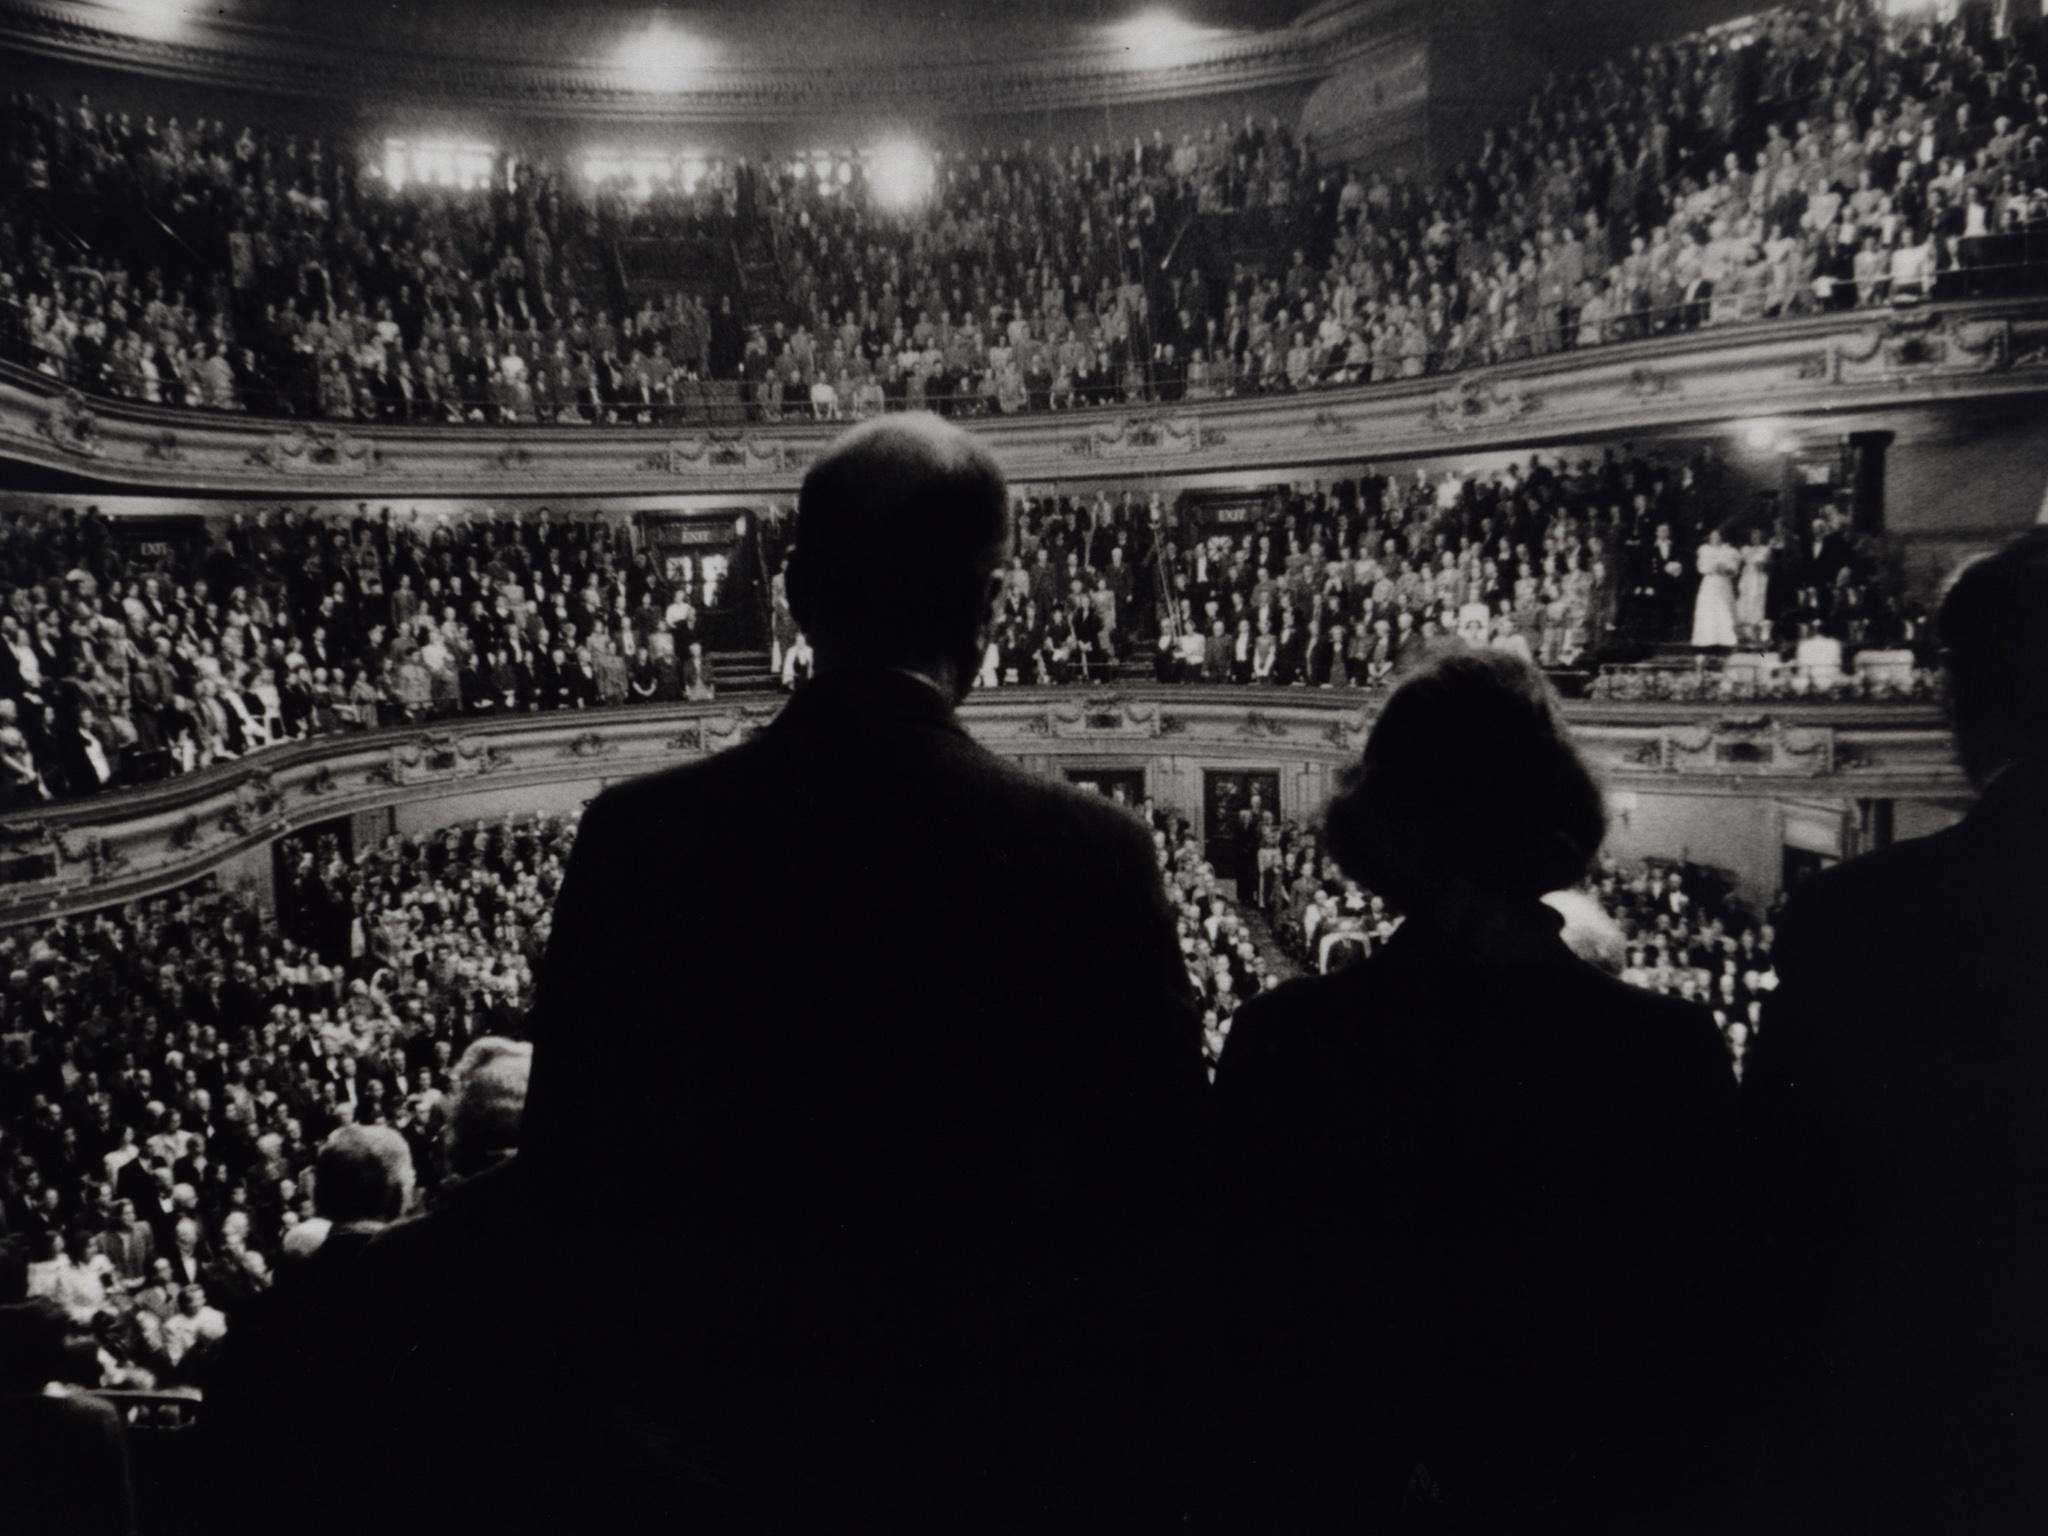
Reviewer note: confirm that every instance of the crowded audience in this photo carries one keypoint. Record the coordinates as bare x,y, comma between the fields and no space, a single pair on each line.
182,1076
1817,156
176,1073
122,662
117,667
1569,562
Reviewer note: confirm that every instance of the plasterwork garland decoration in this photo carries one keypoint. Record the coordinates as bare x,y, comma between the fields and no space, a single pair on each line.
312,450
1478,402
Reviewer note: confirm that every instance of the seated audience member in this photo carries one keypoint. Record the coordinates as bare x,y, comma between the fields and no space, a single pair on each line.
362,1179
1894,1100
489,1098
305,1373
1437,1312
65,1451
858,1335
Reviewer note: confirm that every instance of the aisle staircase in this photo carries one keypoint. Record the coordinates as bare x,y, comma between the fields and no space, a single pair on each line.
1277,960
743,671
764,299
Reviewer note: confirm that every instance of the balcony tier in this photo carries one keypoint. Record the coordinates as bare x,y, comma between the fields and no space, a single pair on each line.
133,843
1822,366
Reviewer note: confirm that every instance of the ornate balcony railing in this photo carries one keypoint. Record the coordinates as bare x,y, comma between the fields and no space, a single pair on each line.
1838,362
138,842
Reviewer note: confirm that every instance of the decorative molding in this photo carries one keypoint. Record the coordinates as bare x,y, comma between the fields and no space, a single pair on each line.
1645,754
1478,401
1747,746
1922,342
1977,351
303,449
1143,432
1258,723
129,843
726,453
72,426
542,74
589,744
1647,383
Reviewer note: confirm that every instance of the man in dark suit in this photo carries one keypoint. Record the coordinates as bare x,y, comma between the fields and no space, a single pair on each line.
919,1254
1897,1144
1664,571
1825,553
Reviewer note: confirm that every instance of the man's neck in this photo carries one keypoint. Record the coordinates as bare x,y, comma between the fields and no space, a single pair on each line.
941,677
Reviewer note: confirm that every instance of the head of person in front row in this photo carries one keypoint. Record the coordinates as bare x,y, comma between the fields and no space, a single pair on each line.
1470,801
1993,627
901,530
489,1098
363,1176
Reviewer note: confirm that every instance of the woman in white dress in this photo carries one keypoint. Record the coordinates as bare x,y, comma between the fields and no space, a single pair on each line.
1753,591
1713,612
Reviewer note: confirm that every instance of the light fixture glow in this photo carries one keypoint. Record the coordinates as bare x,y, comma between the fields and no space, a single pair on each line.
659,58
1158,39
899,175
438,163
159,19
1761,435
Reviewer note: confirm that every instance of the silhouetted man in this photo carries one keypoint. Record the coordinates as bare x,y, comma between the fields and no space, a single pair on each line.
914,1252
1899,1147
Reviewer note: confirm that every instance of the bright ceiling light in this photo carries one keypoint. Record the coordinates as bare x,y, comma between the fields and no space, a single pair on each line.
1158,39
155,18
900,175
659,58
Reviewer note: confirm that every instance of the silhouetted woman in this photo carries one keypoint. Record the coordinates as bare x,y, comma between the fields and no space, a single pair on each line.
1473,1187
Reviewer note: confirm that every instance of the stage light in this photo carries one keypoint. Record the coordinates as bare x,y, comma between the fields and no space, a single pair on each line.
1762,436
899,175
1157,39
659,58
155,18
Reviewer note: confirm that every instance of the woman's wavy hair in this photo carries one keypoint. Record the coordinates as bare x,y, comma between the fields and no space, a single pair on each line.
1469,779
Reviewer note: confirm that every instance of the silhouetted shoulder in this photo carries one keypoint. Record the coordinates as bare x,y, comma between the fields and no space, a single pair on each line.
1857,903
1303,1017
651,800
1652,1029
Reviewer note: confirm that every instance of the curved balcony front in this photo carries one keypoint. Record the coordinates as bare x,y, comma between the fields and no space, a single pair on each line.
134,843
1825,366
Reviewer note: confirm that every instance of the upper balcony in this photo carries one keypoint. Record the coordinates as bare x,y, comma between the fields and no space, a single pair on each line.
1832,365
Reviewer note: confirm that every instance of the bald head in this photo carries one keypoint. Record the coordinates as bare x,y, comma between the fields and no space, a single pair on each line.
900,529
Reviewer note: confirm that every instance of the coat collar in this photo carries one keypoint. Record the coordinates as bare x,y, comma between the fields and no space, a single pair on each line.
871,694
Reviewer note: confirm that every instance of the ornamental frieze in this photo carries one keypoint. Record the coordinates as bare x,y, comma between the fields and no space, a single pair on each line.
1927,342
72,855
305,449
1477,401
